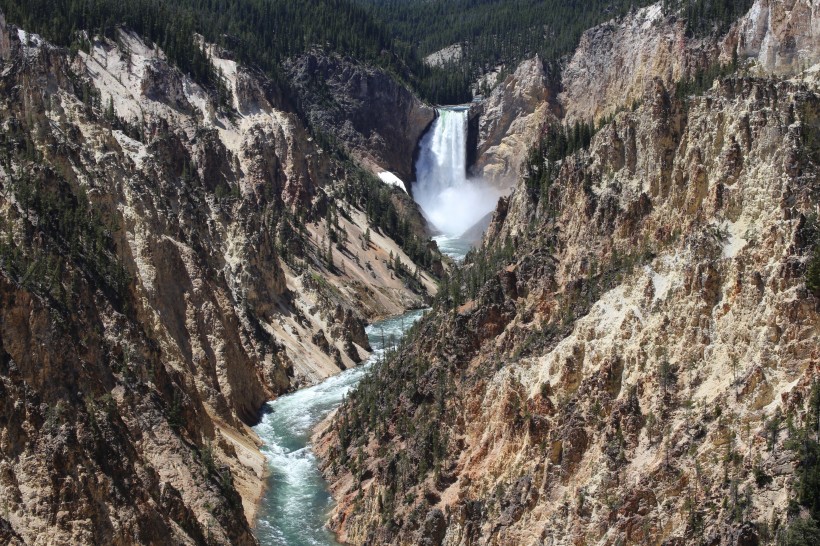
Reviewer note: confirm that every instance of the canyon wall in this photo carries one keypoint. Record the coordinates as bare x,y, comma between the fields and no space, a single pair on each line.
509,122
379,120
172,257
616,62
631,354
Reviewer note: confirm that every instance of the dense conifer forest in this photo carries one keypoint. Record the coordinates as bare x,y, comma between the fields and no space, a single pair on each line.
496,31
504,32
259,32
392,34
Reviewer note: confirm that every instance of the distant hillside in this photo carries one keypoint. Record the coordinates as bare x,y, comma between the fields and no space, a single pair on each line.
392,34
260,33
504,32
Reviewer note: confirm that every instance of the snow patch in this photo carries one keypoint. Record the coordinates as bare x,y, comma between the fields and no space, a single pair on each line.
392,180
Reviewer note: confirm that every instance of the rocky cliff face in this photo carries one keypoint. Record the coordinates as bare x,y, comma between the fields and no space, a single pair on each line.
622,357
510,120
170,258
783,37
616,62
377,119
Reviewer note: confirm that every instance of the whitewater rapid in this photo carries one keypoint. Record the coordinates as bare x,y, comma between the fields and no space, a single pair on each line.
297,502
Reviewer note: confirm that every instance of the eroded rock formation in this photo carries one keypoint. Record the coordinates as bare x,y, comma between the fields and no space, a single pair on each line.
510,120
377,119
172,257
620,361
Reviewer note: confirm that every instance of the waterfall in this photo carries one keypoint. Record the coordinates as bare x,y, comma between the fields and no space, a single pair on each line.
451,202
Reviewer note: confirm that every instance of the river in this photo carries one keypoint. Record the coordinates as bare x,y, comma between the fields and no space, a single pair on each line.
297,502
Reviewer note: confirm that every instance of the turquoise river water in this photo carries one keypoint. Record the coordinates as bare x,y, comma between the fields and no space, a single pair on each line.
297,502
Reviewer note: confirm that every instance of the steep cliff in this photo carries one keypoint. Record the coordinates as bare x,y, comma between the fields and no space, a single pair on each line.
616,62
171,257
510,120
377,119
783,37
630,357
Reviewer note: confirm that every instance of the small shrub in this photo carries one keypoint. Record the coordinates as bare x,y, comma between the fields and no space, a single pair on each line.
761,478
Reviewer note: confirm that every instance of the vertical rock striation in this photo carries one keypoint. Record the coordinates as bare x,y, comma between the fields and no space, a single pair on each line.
620,361
168,256
510,121
379,120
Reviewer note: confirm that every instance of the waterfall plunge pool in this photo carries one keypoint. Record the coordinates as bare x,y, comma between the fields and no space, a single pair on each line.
454,247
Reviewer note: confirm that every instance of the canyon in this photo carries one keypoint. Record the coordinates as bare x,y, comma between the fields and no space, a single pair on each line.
231,259
629,355
618,361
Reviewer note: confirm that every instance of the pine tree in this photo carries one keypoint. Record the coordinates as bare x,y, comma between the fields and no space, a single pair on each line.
329,253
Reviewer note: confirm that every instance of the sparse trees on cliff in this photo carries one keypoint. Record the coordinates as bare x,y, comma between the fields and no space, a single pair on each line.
804,508
813,273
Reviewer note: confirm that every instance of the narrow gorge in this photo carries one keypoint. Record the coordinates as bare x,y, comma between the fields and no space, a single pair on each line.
171,259
410,272
296,504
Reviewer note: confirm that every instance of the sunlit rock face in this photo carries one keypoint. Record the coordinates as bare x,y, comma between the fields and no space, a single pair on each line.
616,62
509,123
670,311
631,366
155,297
783,37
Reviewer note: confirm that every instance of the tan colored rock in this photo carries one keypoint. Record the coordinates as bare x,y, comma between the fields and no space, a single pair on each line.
616,62
783,36
510,120
692,333
124,406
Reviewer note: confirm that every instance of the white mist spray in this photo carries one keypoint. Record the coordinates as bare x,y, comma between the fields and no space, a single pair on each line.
450,202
